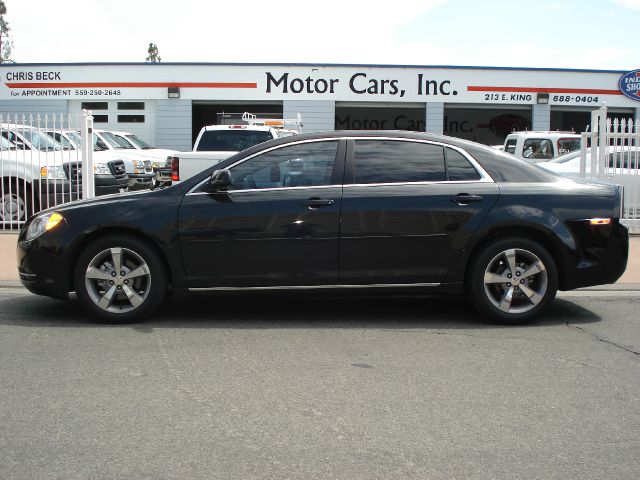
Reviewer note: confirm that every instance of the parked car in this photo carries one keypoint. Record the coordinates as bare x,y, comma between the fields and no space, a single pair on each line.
139,169
370,211
541,146
36,172
622,167
109,172
158,156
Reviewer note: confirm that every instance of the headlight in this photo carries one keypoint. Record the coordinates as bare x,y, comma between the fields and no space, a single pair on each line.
101,169
53,173
43,223
138,166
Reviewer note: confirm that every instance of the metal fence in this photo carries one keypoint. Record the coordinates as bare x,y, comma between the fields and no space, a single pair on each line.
41,165
611,152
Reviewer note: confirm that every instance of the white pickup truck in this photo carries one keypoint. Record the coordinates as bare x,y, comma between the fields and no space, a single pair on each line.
218,142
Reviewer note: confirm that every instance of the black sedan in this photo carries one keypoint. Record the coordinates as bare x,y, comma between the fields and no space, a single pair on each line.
384,211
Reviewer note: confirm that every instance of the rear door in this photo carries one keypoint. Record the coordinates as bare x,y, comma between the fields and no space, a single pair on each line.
408,210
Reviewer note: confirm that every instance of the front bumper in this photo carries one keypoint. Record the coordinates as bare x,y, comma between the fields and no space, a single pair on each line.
107,184
42,263
140,181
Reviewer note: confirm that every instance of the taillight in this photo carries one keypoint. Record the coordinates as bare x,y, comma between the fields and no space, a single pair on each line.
175,169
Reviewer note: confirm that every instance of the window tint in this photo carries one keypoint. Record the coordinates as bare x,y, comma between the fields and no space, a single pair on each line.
459,168
389,161
537,148
510,147
309,164
231,140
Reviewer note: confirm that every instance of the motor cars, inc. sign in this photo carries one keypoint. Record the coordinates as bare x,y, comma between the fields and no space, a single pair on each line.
629,84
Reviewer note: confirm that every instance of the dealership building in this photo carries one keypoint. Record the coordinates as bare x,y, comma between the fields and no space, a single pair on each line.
168,103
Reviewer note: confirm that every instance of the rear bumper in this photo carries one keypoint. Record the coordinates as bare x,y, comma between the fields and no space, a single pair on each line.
602,255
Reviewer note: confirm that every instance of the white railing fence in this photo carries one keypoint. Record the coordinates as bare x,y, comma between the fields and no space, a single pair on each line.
610,151
43,161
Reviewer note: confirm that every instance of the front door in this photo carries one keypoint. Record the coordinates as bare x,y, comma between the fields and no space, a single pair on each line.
277,225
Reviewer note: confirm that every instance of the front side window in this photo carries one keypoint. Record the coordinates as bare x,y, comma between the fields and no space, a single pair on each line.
304,165
537,148
510,146
392,161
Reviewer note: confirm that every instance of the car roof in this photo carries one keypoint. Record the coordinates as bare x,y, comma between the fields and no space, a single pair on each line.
258,128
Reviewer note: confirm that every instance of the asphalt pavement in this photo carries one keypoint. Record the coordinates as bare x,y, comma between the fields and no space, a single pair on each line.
253,387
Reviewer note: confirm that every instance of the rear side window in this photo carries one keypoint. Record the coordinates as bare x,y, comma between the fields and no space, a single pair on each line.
510,146
537,148
389,161
231,140
459,168
566,145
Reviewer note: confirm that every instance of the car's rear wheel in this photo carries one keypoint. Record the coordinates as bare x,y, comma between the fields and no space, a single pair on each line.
120,279
512,280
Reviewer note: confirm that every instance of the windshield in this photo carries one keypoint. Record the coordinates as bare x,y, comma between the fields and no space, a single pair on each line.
40,141
138,142
6,144
100,144
231,140
116,141
64,141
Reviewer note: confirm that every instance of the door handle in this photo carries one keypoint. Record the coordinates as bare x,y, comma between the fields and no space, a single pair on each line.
316,202
465,198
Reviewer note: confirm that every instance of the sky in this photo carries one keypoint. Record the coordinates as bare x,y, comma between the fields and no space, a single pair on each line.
591,34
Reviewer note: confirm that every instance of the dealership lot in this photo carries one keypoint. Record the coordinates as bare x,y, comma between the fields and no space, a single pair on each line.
297,387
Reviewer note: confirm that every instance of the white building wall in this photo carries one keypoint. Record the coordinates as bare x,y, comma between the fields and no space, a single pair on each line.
541,117
434,118
317,115
42,107
173,124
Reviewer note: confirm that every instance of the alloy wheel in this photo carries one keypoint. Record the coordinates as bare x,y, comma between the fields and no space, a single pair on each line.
118,280
515,281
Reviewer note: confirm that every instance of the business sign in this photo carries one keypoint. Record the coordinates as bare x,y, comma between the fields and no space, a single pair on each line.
251,82
629,84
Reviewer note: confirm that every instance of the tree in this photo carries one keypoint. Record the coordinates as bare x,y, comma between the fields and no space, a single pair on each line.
5,41
154,54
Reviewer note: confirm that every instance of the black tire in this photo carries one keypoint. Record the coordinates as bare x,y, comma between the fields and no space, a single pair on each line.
500,298
14,202
112,296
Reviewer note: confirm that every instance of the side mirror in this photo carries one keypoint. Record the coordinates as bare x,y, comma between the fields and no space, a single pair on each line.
220,180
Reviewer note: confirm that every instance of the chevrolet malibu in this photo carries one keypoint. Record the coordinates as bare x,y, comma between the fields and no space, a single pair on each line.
383,211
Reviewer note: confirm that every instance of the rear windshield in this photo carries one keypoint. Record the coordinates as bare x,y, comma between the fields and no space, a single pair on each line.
231,140
506,168
566,145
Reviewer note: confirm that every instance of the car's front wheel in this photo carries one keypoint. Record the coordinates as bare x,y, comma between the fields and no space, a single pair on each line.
512,280
120,278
